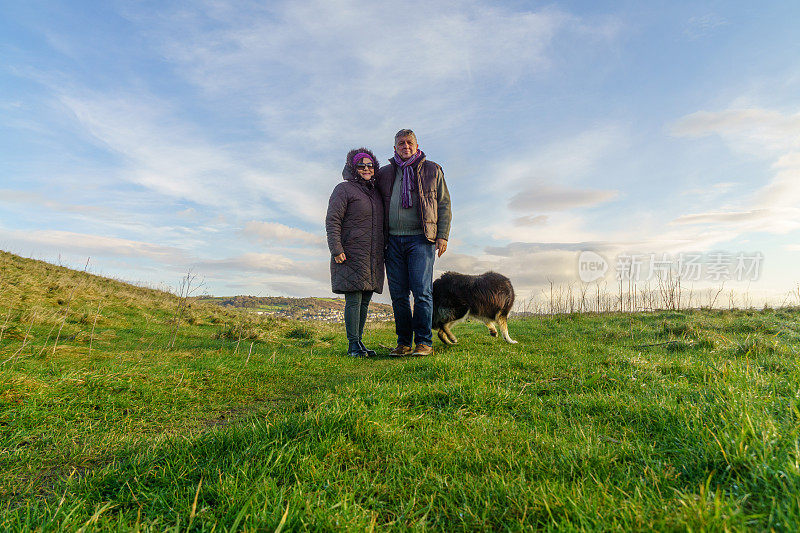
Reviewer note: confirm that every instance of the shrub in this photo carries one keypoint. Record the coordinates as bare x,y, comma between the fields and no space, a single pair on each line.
678,329
300,332
239,330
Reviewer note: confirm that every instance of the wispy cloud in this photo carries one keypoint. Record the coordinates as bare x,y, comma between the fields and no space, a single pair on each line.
771,208
542,186
275,231
546,197
308,272
567,158
703,25
251,262
174,158
90,245
723,218
329,58
37,199
755,130
537,220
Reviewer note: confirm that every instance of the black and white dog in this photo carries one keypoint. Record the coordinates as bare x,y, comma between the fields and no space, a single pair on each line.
487,297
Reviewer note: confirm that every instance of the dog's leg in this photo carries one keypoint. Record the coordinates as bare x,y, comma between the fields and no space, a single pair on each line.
448,325
503,323
451,339
489,324
443,336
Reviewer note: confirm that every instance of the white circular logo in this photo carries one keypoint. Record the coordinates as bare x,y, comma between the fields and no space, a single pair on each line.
591,266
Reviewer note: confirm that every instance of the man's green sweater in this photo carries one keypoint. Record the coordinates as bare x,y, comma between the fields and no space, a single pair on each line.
406,221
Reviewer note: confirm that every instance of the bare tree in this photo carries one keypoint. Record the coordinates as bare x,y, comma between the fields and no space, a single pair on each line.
716,295
186,288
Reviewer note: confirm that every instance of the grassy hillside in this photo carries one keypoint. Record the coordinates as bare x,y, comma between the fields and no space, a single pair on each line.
673,420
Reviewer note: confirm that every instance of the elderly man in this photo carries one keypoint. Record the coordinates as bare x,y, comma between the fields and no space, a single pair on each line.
417,207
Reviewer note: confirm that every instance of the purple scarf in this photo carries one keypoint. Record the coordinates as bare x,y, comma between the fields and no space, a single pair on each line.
408,175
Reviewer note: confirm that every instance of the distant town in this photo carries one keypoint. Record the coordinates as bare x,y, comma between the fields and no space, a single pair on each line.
321,309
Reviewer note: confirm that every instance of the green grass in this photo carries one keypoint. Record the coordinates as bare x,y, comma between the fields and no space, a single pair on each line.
668,421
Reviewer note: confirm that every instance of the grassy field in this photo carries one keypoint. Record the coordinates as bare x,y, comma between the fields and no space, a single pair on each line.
668,421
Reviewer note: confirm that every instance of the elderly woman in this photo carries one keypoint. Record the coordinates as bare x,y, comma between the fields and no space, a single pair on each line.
354,224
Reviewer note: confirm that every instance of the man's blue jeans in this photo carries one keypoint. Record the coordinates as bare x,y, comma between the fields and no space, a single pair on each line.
409,269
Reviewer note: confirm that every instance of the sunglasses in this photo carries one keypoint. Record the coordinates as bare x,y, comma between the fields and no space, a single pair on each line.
362,166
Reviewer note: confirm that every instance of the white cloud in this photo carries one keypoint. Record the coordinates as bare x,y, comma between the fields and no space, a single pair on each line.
703,25
730,217
336,59
784,189
274,231
711,191
172,158
160,153
557,171
773,207
558,227
91,245
753,130
531,220
17,197
546,197
440,42
253,262
270,263
568,159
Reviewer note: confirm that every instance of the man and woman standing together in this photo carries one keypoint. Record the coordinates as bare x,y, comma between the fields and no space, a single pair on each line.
399,216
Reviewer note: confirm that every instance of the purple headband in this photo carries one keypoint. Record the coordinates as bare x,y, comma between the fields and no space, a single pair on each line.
361,155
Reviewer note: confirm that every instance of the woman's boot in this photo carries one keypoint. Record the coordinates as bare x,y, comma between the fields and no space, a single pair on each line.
356,349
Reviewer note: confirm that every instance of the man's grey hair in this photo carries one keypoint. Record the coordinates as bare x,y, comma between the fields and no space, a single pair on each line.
404,133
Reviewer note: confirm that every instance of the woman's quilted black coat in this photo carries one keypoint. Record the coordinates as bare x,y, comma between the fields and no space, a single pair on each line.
354,225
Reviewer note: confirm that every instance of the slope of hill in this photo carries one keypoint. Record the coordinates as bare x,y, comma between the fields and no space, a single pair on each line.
91,365
112,419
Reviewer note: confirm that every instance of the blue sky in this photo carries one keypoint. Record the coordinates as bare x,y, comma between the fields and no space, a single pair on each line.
153,137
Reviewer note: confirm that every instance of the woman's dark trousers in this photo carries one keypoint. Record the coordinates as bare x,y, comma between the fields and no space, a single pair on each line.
356,305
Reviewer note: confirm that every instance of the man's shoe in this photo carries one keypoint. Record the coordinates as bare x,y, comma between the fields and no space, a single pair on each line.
422,350
401,350
370,353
